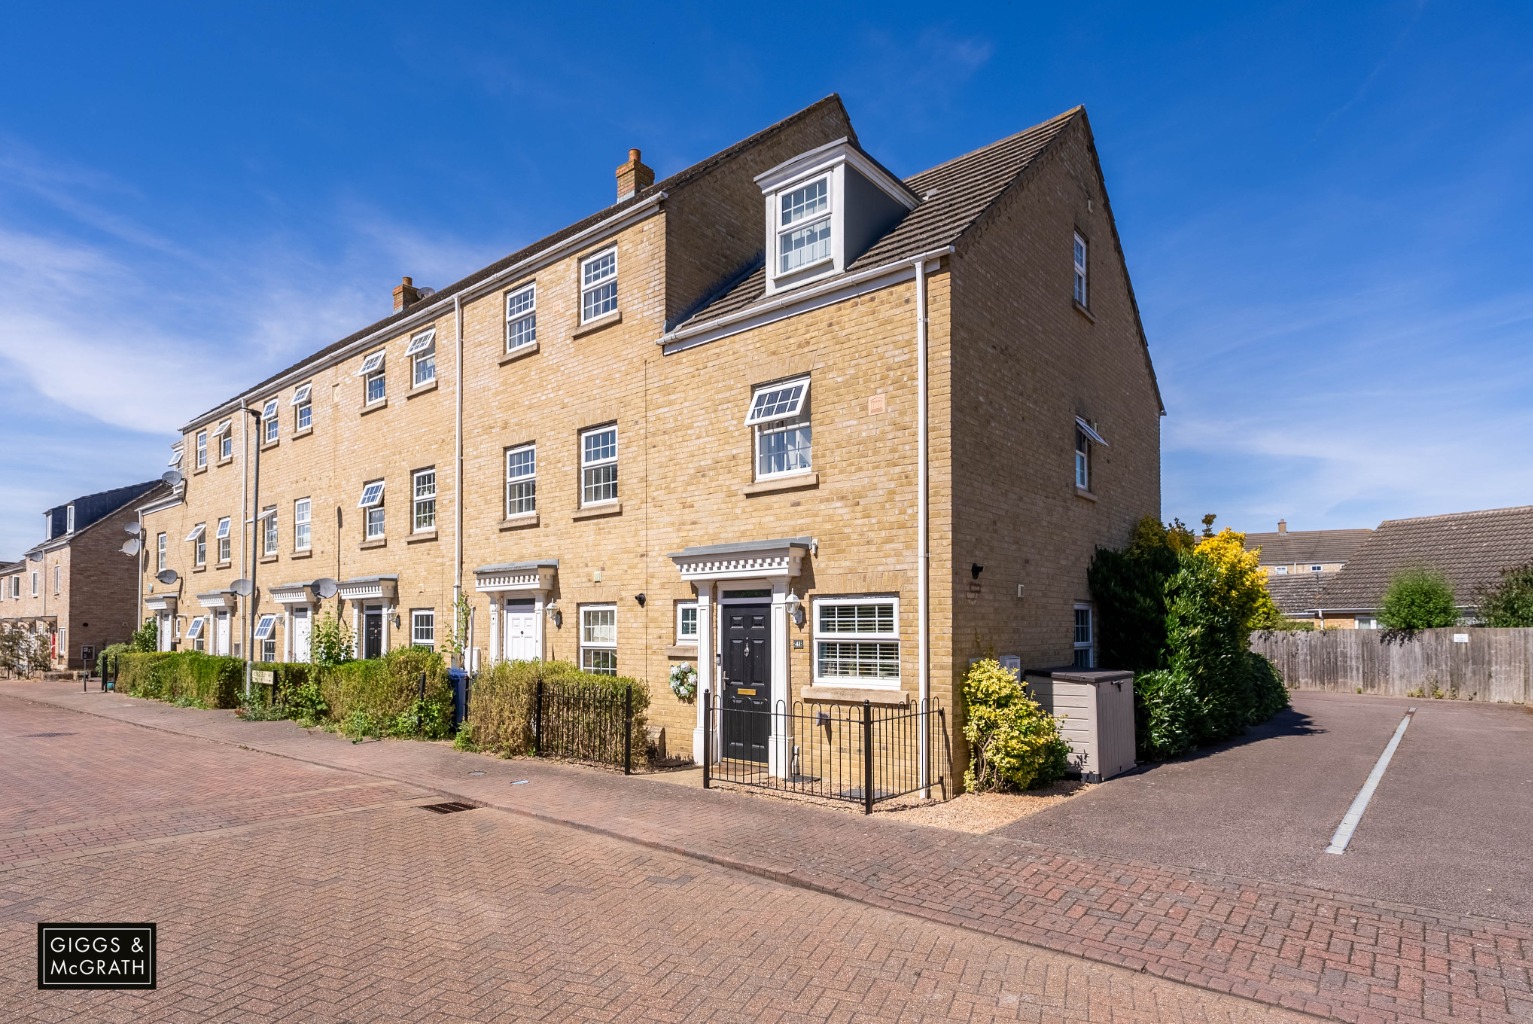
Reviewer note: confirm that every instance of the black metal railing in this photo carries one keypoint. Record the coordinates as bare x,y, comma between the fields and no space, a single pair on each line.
583,723
862,753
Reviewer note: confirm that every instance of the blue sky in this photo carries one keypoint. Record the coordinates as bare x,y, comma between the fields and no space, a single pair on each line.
1324,206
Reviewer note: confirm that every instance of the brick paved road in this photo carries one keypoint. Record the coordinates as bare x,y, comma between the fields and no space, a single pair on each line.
287,890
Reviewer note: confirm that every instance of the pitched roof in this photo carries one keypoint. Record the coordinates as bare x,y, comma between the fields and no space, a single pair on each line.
1295,594
1469,548
954,195
91,508
1298,547
669,184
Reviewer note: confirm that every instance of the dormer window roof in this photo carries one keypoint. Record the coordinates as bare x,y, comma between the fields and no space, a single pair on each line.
825,208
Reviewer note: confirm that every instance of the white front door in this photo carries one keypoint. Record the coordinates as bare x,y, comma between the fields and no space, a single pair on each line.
521,632
301,634
221,633
166,627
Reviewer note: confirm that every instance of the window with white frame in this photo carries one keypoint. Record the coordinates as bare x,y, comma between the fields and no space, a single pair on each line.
202,449
423,627
35,583
598,285
225,435
521,480
422,354
199,539
857,641
194,633
779,415
69,519
372,506
686,622
269,422
222,536
1085,638
374,383
1080,269
1366,622
1280,570
598,638
58,580
269,530
162,548
1085,437
424,508
1315,568
265,635
521,318
803,226
301,513
303,408
598,465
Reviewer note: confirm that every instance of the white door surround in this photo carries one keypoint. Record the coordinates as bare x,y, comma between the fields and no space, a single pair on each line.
518,593
719,570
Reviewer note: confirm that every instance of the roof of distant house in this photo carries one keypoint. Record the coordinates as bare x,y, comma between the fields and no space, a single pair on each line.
1301,547
1295,595
1471,549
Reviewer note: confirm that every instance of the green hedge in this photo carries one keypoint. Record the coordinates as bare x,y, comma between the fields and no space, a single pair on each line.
184,677
579,710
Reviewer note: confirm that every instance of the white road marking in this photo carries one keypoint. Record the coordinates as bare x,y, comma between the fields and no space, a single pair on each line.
1354,813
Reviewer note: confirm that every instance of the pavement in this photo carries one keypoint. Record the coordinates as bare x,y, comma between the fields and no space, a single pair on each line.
794,912
1448,828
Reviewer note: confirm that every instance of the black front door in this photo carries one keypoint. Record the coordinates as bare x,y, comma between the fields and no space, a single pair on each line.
372,633
747,702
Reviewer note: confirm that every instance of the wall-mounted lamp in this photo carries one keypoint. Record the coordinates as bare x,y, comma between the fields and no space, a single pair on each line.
641,599
975,569
796,609
558,618
396,620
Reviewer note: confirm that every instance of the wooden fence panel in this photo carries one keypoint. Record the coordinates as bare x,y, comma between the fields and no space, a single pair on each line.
1494,665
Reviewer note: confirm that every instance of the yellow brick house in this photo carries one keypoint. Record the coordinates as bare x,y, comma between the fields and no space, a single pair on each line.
824,433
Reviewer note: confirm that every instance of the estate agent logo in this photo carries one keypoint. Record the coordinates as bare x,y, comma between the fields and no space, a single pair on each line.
95,955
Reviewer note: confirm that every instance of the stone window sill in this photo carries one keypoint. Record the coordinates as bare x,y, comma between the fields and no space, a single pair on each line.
305,432
199,469
592,326
377,542
1083,311
199,568
424,389
421,538
1081,492
221,565
802,482
682,651
266,559
267,446
225,462
308,553
614,508
519,522
521,353
371,407
853,695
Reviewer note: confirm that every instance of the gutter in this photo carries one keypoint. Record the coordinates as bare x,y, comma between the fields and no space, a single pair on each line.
559,250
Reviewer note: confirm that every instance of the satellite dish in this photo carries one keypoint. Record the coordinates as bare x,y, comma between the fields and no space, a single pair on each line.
244,588
425,293
131,546
325,587
167,576
34,556
172,477
134,529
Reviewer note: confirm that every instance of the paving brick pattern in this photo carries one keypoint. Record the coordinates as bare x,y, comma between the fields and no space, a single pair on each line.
1324,953
387,912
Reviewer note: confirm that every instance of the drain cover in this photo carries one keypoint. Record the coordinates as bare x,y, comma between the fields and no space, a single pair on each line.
44,735
448,808
476,775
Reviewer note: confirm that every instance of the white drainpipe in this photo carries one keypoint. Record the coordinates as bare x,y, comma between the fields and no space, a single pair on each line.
457,493
923,538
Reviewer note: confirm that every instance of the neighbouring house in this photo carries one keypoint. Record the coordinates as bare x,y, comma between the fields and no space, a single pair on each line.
1297,564
822,432
1470,549
77,585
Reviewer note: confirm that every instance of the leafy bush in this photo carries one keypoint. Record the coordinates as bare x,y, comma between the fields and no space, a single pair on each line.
1167,715
1509,601
330,641
1013,742
1269,694
146,638
1418,598
190,678
502,708
385,688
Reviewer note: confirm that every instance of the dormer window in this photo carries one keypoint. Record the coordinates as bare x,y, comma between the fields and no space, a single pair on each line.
804,238
824,209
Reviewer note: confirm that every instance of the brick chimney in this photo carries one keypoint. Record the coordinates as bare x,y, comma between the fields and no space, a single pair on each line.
633,177
405,294
1282,526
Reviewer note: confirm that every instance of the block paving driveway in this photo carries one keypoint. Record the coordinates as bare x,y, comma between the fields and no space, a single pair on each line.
295,876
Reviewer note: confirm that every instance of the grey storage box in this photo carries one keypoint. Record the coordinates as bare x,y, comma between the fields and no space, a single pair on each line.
1095,709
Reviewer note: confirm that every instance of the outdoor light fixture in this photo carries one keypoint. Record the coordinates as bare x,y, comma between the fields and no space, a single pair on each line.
796,609
641,599
975,569
558,619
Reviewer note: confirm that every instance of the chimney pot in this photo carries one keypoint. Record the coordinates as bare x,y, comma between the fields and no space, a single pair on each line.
633,177
1282,526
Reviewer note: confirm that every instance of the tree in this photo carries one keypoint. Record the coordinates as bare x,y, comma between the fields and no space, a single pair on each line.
1509,601
146,638
331,641
1418,598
